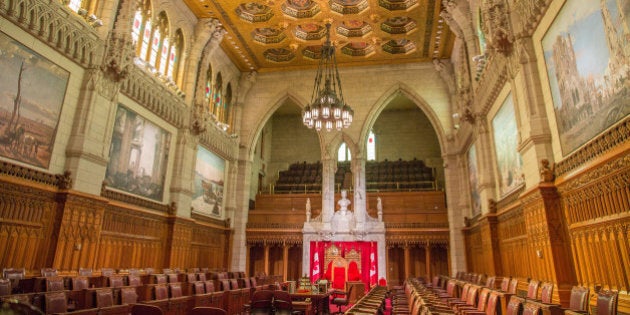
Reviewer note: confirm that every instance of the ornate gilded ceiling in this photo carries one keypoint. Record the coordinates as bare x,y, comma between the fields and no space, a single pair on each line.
268,35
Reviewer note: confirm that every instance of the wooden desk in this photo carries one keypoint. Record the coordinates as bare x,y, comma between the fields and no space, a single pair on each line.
320,302
303,306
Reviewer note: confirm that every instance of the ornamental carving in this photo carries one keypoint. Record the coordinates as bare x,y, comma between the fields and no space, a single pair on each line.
497,26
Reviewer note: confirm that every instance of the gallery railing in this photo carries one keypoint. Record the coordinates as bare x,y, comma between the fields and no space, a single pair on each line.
424,185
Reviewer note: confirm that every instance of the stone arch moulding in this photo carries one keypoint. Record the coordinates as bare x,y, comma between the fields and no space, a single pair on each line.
382,102
275,103
332,147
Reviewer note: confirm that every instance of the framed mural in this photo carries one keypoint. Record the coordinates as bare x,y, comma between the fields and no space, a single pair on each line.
509,160
32,90
587,55
138,155
473,179
208,183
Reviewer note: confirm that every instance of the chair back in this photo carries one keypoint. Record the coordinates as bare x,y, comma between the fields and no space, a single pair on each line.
85,272
209,284
607,302
134,280
55,302
546,292
532,309
224,285
104,297
471,298
172,278
233,284
191,277
107,272
493,304
515,306
262,302
465,290
199,287
145,309
79,283
128,295
513,286
49,272
483,299
282,302
490,282
54,284
202,276
207,310
176,289
161,292
532,289
17,307
160,279
5,287
579,298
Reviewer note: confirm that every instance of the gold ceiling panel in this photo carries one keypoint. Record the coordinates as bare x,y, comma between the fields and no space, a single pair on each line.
271,35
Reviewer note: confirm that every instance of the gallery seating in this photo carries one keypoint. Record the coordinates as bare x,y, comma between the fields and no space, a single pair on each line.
578,303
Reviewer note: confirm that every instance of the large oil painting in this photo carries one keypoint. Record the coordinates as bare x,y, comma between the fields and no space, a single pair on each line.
587,53
473,179
509,160
138,156
32,90
209,180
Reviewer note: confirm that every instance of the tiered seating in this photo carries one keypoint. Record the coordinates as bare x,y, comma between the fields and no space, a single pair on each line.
300,178
379,176
113,293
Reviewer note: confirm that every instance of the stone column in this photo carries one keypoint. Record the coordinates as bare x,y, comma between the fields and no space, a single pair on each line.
239,214
485,168
358,171
328,187
457,199
181,183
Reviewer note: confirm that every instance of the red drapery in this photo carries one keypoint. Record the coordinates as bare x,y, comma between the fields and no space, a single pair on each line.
369,260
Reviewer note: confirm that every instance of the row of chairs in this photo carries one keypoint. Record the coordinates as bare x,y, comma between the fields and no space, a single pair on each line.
372,303
537,300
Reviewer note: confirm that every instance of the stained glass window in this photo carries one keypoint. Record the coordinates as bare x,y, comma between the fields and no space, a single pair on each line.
371,147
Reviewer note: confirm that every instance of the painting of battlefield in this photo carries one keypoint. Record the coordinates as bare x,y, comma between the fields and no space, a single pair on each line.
587,54
32,90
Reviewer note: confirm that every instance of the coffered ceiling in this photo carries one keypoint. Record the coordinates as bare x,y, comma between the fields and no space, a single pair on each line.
271,35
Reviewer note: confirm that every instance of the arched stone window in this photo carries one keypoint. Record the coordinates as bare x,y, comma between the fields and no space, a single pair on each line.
371,147
218,99
208,99
226,109
343,154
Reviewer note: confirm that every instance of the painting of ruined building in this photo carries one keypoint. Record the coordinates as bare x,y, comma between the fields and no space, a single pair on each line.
32,90
208,183
587,54
138,156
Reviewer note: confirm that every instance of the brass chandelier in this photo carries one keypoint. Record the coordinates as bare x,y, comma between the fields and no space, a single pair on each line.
327,109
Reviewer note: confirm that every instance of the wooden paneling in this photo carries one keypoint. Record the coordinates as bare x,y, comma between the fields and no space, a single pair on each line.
42,225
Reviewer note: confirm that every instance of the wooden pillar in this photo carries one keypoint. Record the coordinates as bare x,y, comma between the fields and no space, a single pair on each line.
285,261
266,259
407,263
248,253
427,255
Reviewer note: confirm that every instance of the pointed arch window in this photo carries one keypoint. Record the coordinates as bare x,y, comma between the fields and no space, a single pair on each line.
217,95
480,35
343,154
136,28
175,51
371,147
208,90
146,40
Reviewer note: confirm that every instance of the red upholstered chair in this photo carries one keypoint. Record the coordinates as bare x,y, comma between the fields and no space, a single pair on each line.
49,272
54,284
532,309
14,275
80,283
17,307
128,295
282,302
160,279
515,306
607,302
104,297
199,287
343,299
172,278
532,289
5,287
144,309
224,285
207,310
481,303
233,284
176,289
191,277
116,281
161,292
578,303
546,292
134,280
201,276
261,302
55,302
513,286
209,284
85,272
107,272
505,284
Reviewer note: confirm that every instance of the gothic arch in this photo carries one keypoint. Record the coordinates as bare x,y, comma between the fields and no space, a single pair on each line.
279,100
383,101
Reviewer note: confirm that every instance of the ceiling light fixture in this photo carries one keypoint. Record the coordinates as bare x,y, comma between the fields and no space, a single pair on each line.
327,110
